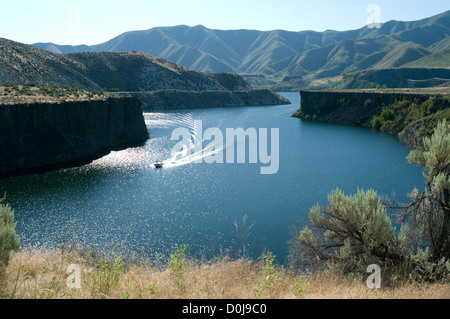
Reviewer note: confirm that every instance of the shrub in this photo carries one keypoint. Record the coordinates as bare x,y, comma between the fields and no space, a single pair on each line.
9,240
387,115
301,286
383,120
176,266
430,210
106,279
368,104
353,231
413,113
266,281
376,123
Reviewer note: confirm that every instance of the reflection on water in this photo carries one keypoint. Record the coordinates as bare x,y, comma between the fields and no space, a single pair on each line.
121,203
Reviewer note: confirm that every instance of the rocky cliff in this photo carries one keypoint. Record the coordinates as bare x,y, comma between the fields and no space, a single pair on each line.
408,113
42,136
350,107
176,99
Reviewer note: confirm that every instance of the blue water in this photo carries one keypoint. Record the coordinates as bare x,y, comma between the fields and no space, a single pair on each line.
121,204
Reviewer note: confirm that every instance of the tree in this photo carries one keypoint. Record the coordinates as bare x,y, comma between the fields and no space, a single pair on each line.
9,240
429,213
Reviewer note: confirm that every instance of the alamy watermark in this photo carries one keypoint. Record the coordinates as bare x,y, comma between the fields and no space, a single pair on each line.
74,279
374,280
74,19
374,19
212,145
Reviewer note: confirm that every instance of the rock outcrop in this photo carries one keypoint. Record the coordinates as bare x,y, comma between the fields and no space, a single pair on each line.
42,136
176,99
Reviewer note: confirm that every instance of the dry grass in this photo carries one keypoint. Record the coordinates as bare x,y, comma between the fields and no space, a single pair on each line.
28,93
43,274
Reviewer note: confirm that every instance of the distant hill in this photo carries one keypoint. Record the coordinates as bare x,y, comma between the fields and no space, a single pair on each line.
21,63
126,71
268,58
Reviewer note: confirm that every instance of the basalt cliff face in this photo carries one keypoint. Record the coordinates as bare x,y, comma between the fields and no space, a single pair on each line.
349,107
409,114
176,99
43,136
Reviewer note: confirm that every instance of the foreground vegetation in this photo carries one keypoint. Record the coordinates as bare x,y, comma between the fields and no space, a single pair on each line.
44,274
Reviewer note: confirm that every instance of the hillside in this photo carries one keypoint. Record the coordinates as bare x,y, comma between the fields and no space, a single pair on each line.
266,58
335,59
21,63
435,60
395,78
135,71
126,71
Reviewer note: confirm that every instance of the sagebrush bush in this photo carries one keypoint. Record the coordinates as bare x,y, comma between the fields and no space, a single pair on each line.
354,231
9,240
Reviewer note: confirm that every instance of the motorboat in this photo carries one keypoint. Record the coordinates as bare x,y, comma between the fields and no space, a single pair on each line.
159,164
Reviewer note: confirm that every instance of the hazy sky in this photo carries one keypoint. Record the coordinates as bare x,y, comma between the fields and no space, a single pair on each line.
96,21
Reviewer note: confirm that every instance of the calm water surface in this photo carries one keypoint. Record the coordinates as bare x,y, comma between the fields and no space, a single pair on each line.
121,204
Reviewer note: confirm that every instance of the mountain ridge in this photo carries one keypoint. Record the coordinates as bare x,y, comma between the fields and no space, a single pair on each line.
253,52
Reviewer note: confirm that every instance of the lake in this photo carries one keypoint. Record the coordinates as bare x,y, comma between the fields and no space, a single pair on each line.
122,204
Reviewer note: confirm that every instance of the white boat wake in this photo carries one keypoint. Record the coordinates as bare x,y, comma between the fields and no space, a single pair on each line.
194,152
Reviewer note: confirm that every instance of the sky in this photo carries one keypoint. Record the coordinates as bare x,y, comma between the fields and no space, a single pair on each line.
90,22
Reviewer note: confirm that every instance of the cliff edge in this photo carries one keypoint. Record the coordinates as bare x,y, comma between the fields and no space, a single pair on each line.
42,136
